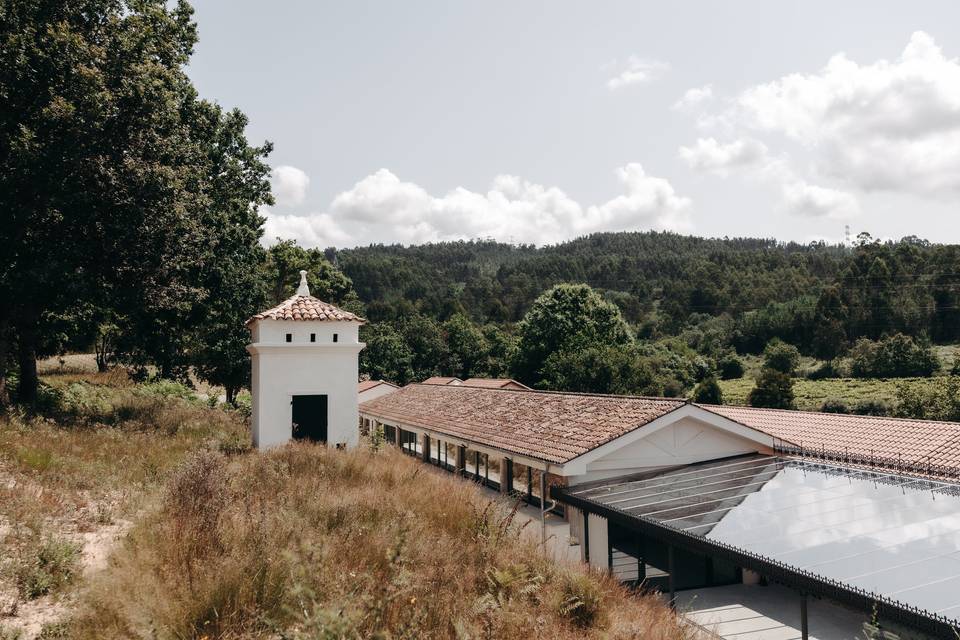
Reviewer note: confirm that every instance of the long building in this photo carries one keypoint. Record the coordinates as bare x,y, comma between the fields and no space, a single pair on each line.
664,493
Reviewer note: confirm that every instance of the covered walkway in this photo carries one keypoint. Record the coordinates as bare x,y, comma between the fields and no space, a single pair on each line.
751,612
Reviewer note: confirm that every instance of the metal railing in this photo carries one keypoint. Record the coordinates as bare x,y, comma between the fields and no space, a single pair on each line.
908,466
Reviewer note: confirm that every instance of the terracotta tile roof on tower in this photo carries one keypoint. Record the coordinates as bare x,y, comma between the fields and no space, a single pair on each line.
306,307
442,380
555,427
495,383
911,440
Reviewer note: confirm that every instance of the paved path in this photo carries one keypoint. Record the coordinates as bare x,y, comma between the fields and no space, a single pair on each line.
742,612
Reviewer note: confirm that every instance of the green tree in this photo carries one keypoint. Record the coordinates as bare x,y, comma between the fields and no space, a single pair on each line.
730,366
286,259
600,369
708,392
830,319
193,315
567,317
239,185
774,390
466,348
938,400
425,339
782,357
502,347
386,356
879,298
896,356
97,166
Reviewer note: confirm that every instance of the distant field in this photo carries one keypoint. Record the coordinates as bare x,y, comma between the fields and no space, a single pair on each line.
811,394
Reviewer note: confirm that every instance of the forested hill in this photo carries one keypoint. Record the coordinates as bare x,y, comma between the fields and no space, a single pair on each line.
497,282
664,281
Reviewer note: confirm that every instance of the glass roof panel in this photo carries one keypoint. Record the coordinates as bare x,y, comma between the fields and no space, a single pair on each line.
894,535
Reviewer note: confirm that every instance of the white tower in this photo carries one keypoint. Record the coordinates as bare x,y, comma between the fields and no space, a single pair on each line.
304,356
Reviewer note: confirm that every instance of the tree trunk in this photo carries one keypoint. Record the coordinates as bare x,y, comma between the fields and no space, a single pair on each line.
100,348
4,352
231,393
27,361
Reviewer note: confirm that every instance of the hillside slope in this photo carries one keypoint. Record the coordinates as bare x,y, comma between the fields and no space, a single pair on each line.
200,538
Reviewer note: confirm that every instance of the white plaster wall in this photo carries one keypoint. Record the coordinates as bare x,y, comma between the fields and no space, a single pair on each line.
282,370
599,552
275,331
685,441
376,392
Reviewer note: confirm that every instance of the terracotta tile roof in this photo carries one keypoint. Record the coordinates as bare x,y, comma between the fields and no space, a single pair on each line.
442,380
301,307
555,427
495,383
913,440
370,384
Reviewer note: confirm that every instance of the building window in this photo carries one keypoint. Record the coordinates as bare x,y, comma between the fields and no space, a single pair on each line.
289,337
335,337
313,337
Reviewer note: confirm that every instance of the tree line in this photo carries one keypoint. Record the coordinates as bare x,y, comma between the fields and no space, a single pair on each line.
131,229
130,204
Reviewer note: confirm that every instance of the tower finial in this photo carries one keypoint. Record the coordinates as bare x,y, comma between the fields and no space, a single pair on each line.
303,289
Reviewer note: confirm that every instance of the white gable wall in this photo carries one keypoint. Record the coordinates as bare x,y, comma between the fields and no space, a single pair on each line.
679,438
376,392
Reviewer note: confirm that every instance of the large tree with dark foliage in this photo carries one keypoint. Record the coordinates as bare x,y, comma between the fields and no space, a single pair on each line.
565,318
108,178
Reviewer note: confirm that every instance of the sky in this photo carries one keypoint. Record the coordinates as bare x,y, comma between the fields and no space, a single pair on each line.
539,122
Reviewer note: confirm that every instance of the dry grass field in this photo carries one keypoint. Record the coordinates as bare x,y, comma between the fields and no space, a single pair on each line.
136,511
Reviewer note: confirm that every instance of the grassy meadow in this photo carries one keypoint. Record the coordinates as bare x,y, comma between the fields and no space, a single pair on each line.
138,511
811,394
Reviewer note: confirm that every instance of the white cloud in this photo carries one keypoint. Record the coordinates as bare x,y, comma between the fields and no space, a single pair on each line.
693,98
882,126
636,71
812,201
289,185
382,208
710,155
311,230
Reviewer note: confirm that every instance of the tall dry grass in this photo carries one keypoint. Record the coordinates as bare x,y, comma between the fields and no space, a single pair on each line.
303,542
97,452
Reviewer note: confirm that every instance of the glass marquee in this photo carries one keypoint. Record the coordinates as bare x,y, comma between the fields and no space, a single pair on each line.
894,535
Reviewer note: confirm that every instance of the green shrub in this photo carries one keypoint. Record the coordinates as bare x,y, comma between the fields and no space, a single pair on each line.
896,356
233,443
582,601
54,631
49,400
780,356
35,459
826,371
938,400
730,367
168,389
835,406
52,565
708,392
774,390
872,408
244,404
